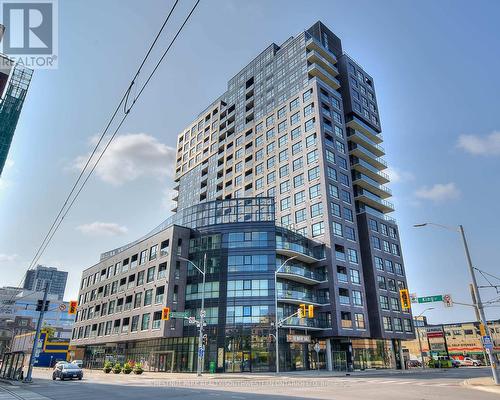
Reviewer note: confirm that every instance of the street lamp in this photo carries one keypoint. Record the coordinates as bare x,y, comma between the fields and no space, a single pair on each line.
201,351
276,323
418,334
460,229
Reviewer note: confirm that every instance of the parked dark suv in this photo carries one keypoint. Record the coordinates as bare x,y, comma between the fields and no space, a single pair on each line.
68,371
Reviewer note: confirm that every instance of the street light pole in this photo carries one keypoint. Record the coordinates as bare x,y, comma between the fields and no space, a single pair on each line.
201,350
418,334
276,321
480,308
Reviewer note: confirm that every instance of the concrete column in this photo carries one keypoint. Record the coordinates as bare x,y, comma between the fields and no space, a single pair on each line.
329,364
401,357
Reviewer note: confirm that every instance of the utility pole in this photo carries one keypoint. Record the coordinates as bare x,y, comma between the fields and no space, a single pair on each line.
37,334
480,308
478,317
201,357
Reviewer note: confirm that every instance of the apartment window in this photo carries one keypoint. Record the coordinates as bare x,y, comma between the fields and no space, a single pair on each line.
271,177
270,134
162,270
352,256
335,209
394,304
330,156
359,320
331,173
309,109
294,104
318,229
143,257
314,191
397,325
294,118
134,325
299,197
148,297
270,148
282,141
344,179
295,133
309,125
296,148
285,187
283,171
357,298
156,320
388,266
355,278
316,210
281,112
379,264
298,180
392,233
160,291
341,273
392,285
342,162
385,244
286,220
145,321
312,156
383,229
270,120
300,215
151,275
138,300
297,164
333,191
384,302
399,269
140,278
349,233
337,229
152,252
345,319
375,242
395,249
281,126
307,95
125,325
340,146
344,296
407,325
285,204
346,196
381,282
387,323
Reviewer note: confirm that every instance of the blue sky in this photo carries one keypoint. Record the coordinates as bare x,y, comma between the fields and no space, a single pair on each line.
435,66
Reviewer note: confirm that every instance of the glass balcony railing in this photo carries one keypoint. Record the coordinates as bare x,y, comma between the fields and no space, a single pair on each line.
368,153
299,248
306,273
299,296
371,168
307,323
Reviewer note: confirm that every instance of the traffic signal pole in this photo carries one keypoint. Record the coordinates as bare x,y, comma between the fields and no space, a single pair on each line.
28,378
480,307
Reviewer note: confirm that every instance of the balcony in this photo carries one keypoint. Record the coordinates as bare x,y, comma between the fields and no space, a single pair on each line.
296,297
373,201
313,44
305,323
314,56
365,141
302,275
301,253
373,186
363,153
359,125
317,71
369,170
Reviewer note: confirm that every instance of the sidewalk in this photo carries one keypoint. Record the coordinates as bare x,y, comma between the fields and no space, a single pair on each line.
484,384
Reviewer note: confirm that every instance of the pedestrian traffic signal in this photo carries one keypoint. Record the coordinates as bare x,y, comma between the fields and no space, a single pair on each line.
165,315
302,311
310,311
405,299
72,307
205,339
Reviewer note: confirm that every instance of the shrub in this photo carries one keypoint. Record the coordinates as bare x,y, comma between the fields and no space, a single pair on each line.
108,366
138,369
127,369
117,368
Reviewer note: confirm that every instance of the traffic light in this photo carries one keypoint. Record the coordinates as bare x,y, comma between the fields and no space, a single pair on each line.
39,305
302,311
205,339
72,307
405,299
482,329
310,311
165,315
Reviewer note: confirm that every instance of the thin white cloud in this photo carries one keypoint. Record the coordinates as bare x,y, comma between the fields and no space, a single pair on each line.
397,175
102,229
132,156
7,257
487,145
438,192
4,183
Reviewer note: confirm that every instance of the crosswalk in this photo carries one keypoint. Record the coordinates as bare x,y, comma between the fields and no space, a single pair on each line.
18,393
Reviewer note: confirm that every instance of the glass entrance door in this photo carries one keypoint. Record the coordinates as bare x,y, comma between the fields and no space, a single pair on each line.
339,360
246,365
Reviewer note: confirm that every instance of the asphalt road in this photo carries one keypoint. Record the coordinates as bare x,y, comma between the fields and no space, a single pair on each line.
425,385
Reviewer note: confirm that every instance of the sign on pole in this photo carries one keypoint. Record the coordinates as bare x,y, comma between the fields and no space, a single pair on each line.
192,320
317,347
487,342
430,299
179,314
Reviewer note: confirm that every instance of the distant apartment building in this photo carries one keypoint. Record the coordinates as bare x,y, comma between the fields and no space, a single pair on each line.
37,278
14,83
283,172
